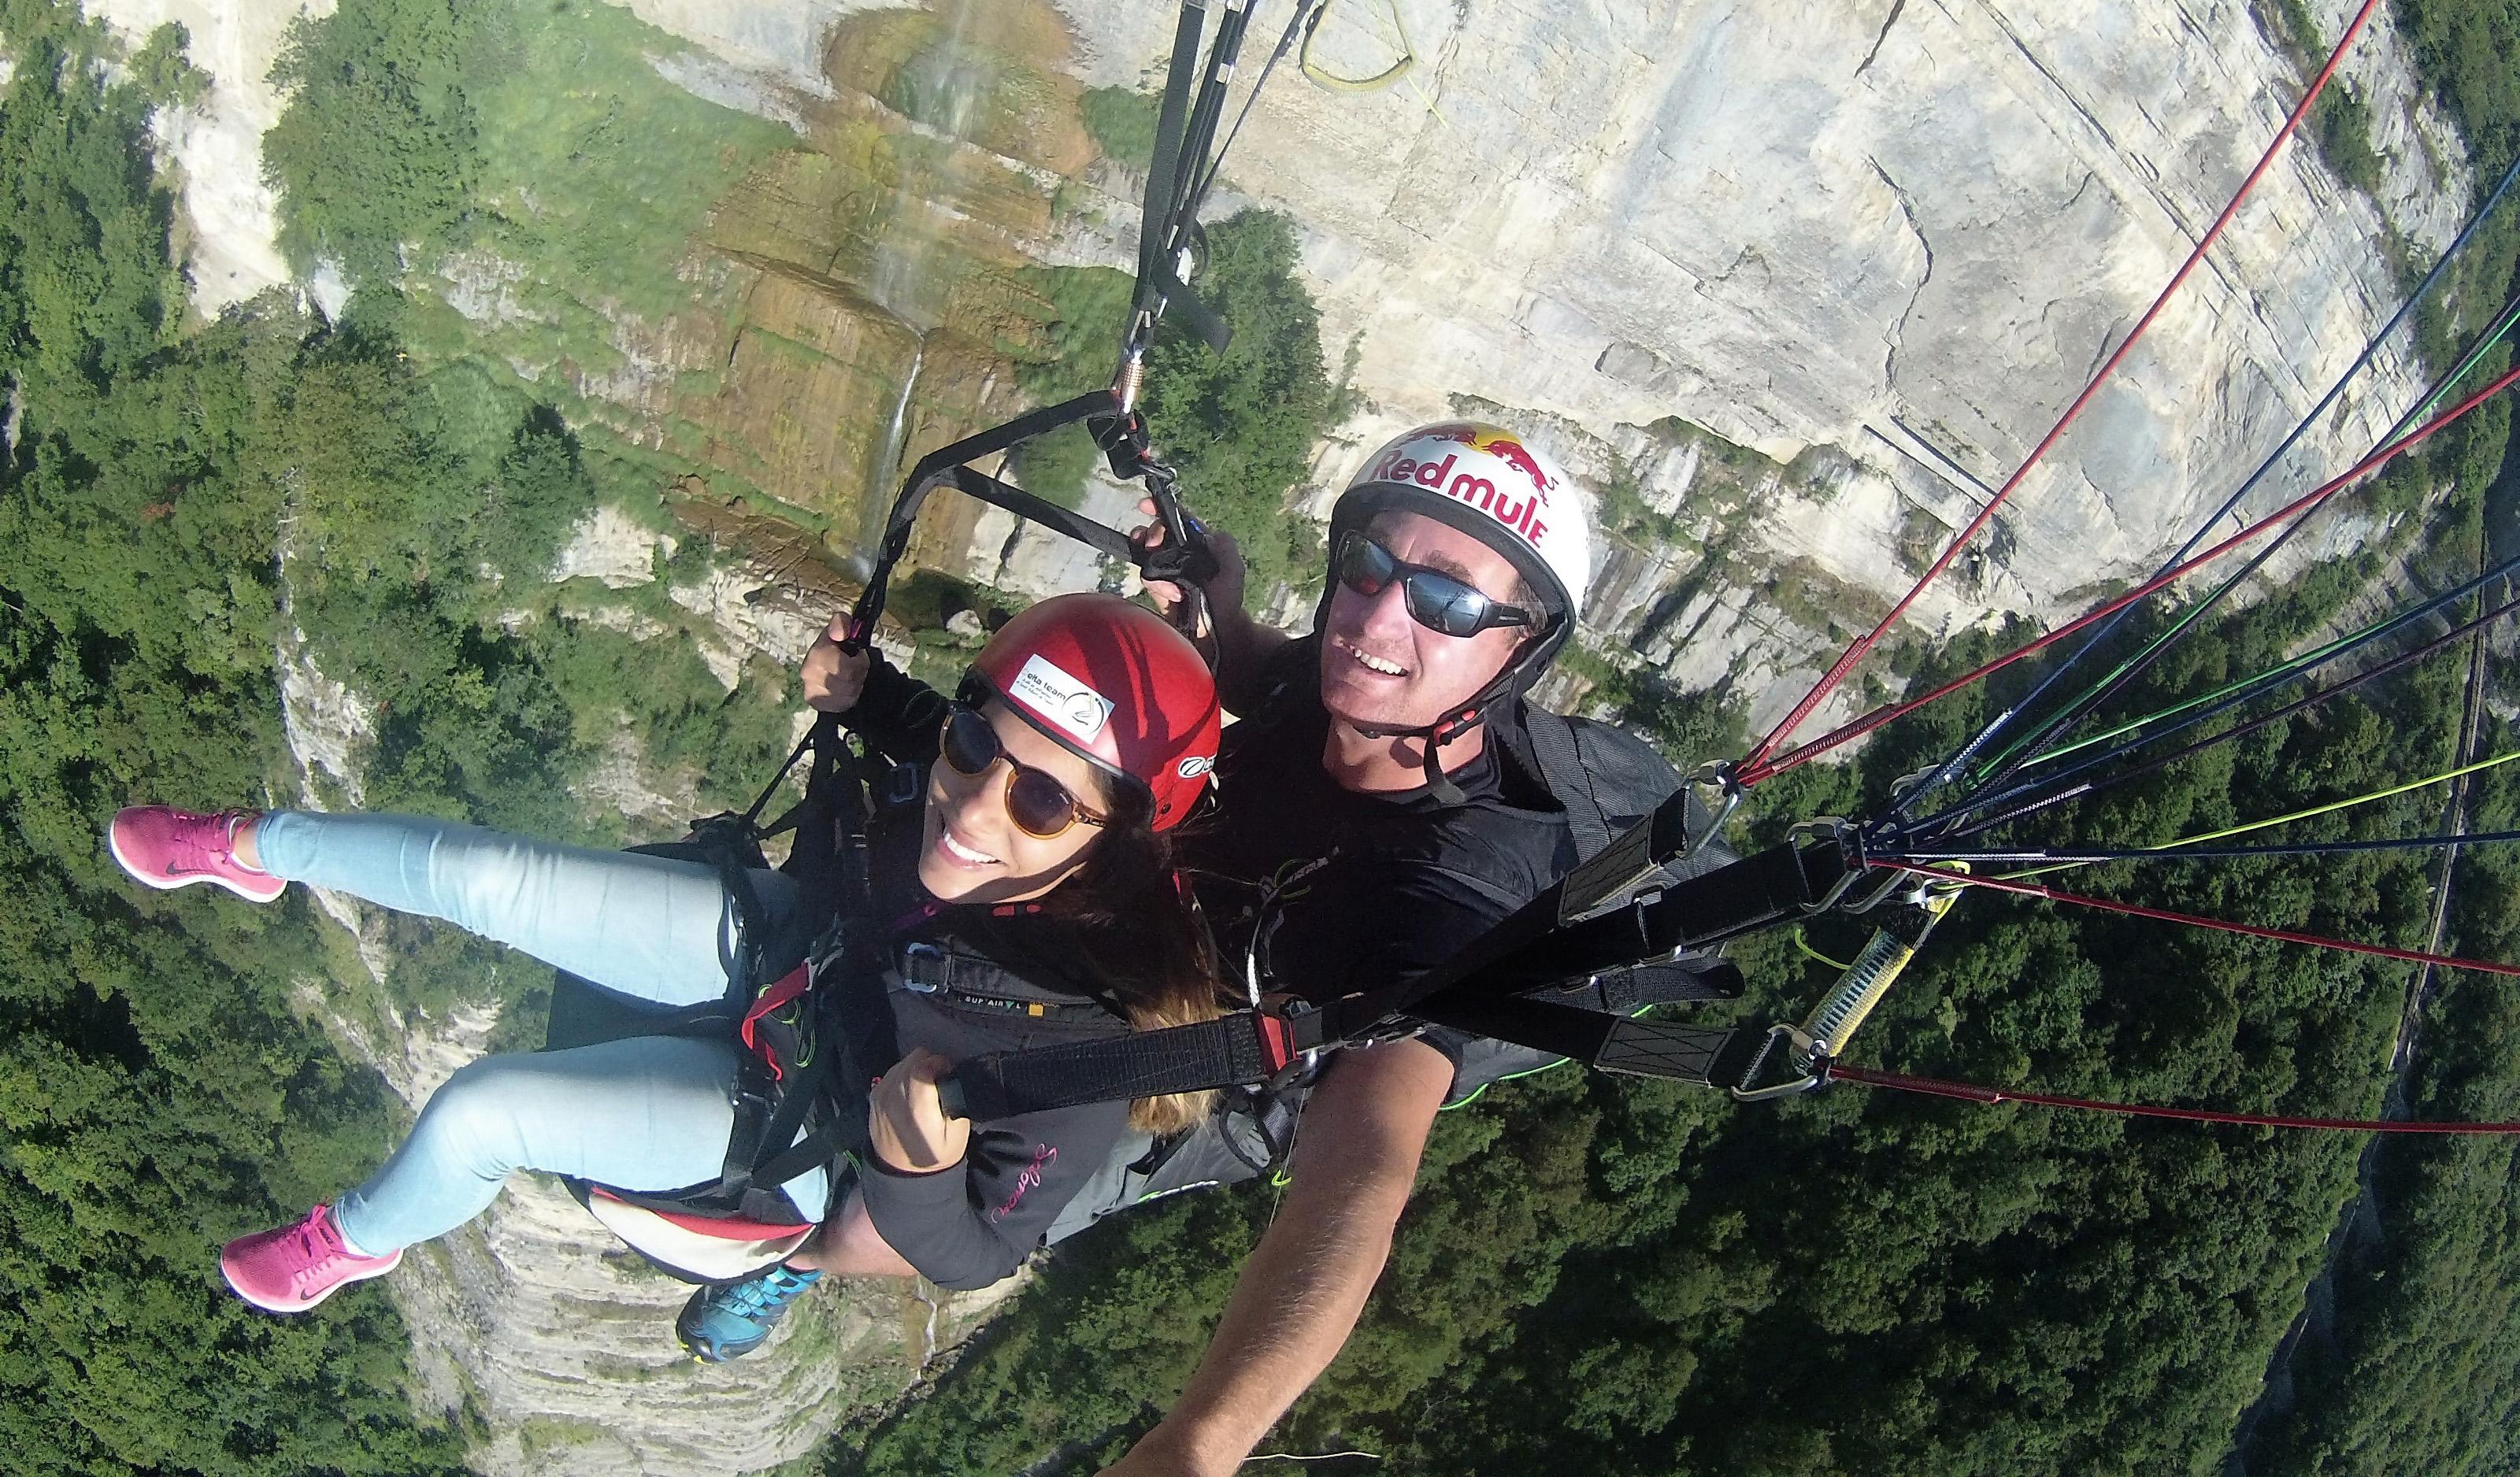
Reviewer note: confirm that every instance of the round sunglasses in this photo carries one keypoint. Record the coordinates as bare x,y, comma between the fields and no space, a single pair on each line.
1040,806
1437,601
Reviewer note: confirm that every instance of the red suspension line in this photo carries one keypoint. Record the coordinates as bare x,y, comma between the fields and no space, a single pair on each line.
1936,1086
2219,926
1857,729
1756,762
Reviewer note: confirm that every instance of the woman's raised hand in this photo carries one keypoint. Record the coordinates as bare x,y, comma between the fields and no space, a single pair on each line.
833,677
906,1123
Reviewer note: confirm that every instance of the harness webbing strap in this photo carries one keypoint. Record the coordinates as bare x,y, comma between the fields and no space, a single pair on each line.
790,985
1561,764
1241,1047
1163,174
1700,1056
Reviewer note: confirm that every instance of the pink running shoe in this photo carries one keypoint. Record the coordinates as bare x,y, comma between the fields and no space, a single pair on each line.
166,847
294,1268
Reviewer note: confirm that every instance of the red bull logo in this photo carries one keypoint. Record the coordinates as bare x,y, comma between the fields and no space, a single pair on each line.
1499,444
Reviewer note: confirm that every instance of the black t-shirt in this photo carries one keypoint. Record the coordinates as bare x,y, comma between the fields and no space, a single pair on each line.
1330,893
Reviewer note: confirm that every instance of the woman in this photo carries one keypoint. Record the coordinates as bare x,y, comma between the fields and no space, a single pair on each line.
1036,865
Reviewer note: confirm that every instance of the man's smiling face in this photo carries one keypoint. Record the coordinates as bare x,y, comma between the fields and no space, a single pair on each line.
1380,669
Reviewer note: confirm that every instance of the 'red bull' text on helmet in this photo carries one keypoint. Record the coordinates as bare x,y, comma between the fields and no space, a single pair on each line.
1114,684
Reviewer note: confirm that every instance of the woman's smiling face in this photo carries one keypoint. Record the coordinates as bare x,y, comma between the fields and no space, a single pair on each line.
971,851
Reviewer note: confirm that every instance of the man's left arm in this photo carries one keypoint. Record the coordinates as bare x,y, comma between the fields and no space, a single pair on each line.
1306,1283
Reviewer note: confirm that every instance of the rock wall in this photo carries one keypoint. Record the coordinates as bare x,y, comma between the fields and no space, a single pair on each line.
1901,229
217,147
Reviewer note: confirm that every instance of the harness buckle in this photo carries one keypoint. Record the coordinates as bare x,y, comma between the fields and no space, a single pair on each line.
925,968
901,784
1290,1033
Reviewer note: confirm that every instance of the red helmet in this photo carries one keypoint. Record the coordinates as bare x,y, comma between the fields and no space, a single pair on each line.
1116,684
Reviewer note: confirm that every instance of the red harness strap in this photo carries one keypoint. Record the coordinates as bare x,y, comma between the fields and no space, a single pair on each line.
795,983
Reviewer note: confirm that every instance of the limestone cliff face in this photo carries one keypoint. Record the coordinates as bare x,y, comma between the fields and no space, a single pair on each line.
1894,229
217,148
1899,232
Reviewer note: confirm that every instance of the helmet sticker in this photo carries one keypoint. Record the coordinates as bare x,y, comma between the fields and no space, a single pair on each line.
1195,764
1060,697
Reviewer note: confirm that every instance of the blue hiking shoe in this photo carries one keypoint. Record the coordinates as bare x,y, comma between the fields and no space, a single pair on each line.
733,1318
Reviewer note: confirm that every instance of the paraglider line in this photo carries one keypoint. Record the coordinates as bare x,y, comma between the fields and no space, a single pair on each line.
2031,807
1756,761
2101,691
2242,692
1753,774
2081,856
2193,921
1966,1092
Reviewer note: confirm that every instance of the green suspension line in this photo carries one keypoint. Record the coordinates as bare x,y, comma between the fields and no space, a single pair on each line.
2299,815
2280,670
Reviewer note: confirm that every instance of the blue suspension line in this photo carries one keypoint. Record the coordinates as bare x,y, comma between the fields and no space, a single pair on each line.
1944,819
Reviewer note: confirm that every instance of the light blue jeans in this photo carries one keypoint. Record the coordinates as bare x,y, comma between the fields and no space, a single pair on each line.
646,1113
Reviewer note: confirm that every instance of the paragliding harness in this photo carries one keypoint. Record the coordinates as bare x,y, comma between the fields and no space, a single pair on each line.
787,1120
1655,895
1605,779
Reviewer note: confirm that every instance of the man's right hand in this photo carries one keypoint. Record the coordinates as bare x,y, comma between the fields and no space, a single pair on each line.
1355,1160
1224,592
833,677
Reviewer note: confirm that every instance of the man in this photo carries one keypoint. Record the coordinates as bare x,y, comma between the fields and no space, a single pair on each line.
1383,758
1379,808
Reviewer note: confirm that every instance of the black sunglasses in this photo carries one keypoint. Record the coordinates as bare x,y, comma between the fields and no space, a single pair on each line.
1037,803
1437,601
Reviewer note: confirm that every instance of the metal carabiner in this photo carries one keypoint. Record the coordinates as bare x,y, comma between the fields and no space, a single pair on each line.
1838,830
1718,775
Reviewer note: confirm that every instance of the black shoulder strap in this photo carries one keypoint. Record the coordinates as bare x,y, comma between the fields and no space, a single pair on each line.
1555,746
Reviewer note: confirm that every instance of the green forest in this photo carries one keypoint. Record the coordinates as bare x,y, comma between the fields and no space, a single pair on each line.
1598,1276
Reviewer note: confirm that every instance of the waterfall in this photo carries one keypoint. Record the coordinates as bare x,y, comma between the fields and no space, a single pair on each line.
941,92
880,490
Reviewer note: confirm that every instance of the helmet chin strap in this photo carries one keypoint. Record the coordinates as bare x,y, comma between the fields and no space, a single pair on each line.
1445,729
